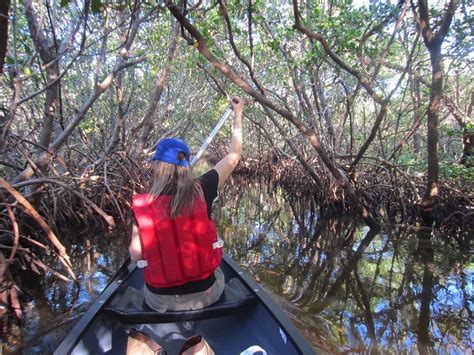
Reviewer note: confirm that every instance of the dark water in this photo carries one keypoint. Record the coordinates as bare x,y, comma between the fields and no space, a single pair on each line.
346,288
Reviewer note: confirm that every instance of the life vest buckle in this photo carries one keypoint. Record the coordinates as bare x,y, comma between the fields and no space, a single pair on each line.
218,244
142,263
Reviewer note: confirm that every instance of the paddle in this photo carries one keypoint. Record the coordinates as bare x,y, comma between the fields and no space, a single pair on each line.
213,133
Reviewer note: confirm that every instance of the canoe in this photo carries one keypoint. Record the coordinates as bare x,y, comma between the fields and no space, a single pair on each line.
243,318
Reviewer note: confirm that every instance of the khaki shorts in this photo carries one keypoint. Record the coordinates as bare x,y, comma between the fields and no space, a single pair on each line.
197,300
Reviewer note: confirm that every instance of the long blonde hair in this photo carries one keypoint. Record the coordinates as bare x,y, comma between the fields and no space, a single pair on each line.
178,181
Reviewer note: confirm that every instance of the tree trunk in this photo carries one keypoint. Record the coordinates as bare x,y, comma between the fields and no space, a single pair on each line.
50,110
4,8
147,123
430,199
432,191
47,50
326,113
433,42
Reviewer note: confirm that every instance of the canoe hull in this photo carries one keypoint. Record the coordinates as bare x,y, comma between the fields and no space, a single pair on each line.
246,317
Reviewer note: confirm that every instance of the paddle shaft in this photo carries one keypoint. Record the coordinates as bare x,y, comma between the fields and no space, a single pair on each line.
211,136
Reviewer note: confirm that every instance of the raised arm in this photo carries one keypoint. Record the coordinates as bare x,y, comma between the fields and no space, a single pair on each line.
227,164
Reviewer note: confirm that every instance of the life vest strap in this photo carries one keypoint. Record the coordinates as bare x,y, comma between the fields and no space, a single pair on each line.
142,263
218,244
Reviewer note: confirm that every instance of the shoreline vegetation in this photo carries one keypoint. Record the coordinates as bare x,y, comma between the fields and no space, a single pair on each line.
365,110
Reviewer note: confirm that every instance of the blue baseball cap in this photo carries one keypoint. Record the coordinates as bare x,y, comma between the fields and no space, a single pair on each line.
167,151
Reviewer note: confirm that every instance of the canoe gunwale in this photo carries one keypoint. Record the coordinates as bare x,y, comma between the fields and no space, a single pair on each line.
275,311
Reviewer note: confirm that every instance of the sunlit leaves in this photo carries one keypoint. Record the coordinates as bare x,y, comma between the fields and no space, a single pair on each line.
454,171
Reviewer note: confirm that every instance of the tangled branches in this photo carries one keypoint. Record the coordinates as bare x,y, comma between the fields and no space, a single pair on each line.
96,195
393,194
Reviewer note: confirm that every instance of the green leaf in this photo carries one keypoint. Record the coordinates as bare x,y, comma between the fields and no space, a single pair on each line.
316,11
96,6
64,3
273,44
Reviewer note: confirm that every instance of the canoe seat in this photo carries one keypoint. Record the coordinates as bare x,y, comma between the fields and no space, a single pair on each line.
128,305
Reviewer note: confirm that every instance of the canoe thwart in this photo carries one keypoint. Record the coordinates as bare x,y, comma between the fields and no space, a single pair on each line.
129,306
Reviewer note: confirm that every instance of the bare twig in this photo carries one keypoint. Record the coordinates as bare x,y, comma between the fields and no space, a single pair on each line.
109,219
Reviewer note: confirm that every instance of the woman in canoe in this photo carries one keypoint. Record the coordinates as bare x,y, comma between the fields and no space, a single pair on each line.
174,237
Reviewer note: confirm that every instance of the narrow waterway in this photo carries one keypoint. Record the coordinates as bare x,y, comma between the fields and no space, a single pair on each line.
346,288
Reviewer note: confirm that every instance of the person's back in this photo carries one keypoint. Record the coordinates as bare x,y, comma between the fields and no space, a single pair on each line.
174,237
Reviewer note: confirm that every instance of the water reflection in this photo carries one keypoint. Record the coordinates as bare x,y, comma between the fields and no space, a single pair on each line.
57,305
347,288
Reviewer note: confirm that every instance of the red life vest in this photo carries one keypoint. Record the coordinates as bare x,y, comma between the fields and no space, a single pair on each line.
177,250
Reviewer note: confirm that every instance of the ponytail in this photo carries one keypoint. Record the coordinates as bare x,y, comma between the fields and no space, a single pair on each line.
178,181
